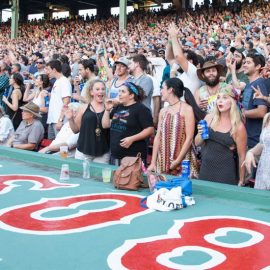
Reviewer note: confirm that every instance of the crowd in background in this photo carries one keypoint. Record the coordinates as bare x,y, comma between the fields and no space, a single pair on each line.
105,93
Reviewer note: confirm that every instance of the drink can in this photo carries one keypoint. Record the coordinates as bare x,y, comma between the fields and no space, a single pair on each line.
47,101
185,168
81,86
64,172
205,130
6,92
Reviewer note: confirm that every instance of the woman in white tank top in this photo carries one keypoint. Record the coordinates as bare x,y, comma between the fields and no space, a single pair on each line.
38,94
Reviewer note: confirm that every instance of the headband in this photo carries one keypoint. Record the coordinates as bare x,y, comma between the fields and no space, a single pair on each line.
232,92
132,88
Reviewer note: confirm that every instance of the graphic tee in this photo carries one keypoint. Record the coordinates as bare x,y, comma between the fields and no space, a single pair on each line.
128,121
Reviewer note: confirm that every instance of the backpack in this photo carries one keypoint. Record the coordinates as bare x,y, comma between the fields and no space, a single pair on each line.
129,174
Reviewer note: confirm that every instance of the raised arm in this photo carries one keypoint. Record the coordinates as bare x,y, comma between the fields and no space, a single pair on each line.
176,47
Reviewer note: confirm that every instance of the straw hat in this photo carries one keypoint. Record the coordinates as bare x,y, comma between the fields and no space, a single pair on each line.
32,108
207,65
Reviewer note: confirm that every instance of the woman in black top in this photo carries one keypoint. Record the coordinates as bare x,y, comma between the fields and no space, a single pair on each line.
227,138
130,123
14,99
93,142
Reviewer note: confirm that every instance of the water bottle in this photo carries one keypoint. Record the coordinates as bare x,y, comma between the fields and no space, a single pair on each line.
185,168
47,101
86,169
205,130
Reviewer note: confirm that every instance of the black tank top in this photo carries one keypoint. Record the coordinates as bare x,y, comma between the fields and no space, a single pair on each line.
15,117
88,142
218,161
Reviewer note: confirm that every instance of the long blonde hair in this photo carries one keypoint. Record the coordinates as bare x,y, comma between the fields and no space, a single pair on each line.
266,120
90,88
235,116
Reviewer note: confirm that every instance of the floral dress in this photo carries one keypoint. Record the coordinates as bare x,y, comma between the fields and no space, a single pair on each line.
263,170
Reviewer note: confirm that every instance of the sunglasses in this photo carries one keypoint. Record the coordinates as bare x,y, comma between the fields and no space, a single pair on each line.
40,63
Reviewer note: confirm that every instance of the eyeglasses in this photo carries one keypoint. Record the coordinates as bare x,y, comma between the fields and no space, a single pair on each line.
39,63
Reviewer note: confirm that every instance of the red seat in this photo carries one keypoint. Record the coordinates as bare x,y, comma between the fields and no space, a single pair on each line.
44,143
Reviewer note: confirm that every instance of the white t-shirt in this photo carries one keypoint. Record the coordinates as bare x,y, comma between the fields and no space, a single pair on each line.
159,64
66,135
190,78
6,129
61,89
156,90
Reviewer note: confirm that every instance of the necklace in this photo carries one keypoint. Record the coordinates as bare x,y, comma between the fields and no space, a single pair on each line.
98,129
174,103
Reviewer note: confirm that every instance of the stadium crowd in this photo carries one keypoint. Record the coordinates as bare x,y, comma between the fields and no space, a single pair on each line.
104,93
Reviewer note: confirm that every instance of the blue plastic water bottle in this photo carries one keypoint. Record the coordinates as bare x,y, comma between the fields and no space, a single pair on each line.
185,168
47,101
205,130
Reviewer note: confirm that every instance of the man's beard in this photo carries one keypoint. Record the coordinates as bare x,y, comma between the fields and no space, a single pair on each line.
238,65
212,82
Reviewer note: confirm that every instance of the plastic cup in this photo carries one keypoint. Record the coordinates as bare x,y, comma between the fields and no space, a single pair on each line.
106,175
63,151
64,172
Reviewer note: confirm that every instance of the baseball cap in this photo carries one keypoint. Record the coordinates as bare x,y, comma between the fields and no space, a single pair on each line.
123,60
161,51
222,49
38,54
240,50
189,44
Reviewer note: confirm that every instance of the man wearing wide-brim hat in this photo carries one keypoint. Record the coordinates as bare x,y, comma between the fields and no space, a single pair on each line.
30,131
206,95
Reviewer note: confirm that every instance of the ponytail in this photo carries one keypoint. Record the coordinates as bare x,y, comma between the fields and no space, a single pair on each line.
190,100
